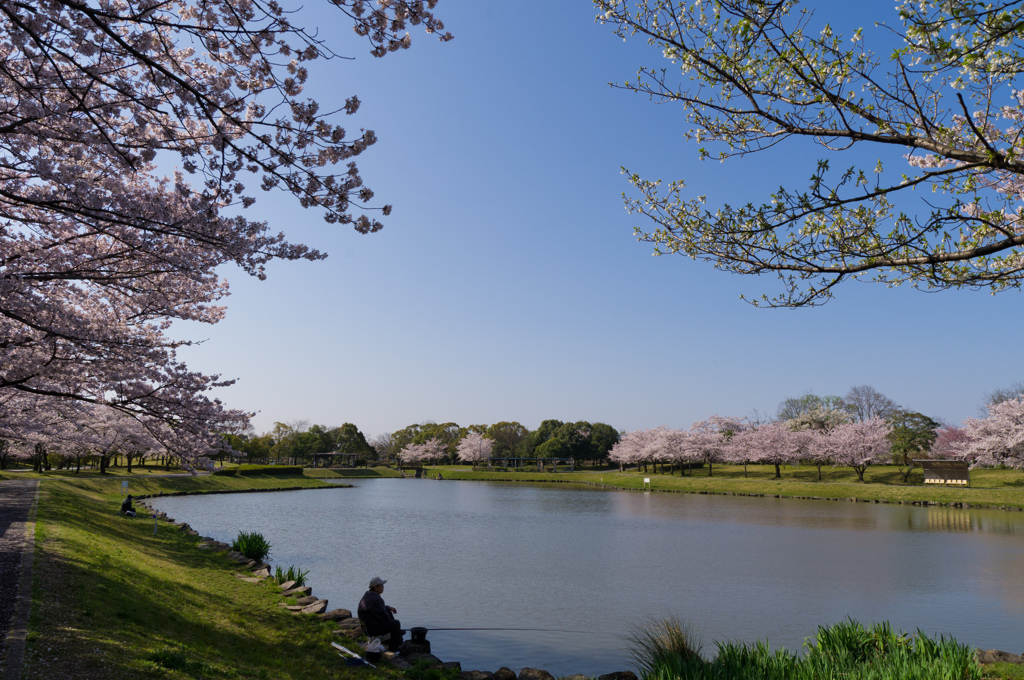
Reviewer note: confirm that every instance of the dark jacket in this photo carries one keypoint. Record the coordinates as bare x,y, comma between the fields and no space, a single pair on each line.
372,610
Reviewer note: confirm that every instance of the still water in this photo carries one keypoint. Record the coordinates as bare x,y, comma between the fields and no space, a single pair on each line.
491,555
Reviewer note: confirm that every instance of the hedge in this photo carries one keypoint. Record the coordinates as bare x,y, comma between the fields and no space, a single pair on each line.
261,470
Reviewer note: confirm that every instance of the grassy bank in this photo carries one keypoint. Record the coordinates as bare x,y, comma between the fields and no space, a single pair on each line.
989,488
111,600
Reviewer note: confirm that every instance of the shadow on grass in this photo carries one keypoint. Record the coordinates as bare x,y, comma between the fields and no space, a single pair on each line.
123,601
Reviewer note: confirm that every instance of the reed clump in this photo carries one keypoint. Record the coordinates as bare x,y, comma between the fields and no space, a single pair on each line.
252,545
847,650
293,573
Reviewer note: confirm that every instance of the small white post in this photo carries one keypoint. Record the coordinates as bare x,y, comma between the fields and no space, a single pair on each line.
647,482
124,487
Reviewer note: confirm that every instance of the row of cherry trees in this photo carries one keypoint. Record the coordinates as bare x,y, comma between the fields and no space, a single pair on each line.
732,440
995,440
73,433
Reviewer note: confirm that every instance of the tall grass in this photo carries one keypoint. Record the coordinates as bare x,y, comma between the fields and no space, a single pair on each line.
848,650
252,545
293,573
657,644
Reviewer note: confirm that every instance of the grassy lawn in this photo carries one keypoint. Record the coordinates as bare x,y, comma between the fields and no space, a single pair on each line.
882,483
111,600
350,473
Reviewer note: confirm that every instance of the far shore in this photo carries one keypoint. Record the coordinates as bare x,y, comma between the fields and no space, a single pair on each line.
995,489
1001,489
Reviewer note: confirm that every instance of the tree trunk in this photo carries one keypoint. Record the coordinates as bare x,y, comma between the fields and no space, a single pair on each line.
778,472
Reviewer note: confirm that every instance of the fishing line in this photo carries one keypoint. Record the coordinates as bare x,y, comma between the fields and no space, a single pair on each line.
536,630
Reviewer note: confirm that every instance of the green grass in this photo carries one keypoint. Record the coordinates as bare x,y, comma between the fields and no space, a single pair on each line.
346,473
1003,671
848,650
111,600
883,483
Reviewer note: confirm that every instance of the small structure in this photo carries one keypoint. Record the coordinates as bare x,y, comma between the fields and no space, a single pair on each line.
946,471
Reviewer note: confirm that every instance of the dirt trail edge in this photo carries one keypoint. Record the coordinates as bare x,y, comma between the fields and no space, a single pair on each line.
18,501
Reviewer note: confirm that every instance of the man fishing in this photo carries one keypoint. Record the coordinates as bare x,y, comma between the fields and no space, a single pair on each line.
377,617
127,508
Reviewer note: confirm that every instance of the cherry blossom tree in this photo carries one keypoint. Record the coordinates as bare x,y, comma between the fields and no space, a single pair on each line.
943,87
475,448
857,444
708,440
675,446
997,439
100,250
432,449
639,447
950,441
769,443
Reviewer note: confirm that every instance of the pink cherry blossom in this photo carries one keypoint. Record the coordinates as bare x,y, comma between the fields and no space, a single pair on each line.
997,439
475,448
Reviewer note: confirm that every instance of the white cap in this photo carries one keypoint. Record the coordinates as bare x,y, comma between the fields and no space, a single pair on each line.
377,581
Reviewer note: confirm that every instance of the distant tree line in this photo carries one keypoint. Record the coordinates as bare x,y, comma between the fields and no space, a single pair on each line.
296,443
830,426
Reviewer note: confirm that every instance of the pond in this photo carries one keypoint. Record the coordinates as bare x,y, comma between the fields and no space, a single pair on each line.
589,564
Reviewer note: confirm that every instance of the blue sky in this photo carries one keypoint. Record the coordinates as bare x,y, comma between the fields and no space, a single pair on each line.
507,284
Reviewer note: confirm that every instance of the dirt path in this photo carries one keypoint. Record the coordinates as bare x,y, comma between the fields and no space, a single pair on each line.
17,499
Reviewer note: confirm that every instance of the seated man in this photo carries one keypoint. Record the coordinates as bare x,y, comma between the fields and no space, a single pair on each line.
379,618
126,507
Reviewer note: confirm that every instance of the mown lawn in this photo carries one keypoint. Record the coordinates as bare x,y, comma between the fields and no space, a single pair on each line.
111,600
882,483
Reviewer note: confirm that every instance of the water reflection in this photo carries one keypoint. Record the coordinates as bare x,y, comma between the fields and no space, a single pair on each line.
462,554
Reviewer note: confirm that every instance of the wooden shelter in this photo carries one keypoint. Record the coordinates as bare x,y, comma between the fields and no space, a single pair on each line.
946,471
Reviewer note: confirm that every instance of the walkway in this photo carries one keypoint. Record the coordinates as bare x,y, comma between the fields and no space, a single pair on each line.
17,549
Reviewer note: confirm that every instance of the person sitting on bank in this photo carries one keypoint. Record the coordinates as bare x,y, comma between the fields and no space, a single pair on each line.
379,618
126,507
